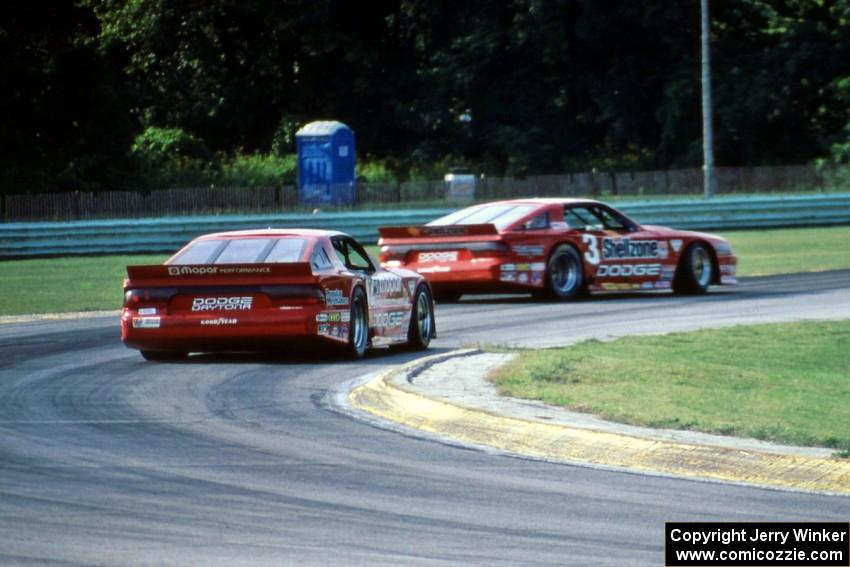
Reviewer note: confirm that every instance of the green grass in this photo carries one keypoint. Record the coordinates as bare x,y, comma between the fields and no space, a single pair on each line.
780,382
791,250
66,284
94,283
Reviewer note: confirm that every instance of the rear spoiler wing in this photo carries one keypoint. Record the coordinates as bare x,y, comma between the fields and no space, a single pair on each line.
218,274
404,232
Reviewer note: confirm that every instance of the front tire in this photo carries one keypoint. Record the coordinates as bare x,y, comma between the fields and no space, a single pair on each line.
695,272
564,273
422,325
358,334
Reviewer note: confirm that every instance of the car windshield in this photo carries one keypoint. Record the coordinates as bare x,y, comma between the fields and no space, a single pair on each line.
499,215
242,251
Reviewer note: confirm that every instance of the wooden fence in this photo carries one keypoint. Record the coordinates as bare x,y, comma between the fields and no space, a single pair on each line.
219,200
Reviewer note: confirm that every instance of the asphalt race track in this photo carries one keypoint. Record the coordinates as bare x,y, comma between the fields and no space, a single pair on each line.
106,459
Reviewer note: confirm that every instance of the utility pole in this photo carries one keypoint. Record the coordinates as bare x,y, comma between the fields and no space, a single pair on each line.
709,180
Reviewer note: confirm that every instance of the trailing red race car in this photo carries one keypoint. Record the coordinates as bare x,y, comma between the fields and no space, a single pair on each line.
265,289
559,248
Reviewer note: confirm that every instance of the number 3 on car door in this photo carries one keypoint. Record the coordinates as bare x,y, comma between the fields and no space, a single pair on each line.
591,254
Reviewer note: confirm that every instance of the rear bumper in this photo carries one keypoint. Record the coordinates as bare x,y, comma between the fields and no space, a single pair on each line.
225,331
484,275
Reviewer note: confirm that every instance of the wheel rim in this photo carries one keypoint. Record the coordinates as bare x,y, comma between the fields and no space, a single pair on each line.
701,265
564,273
423,316
358,332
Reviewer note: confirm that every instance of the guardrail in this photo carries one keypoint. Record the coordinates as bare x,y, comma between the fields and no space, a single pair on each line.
168,234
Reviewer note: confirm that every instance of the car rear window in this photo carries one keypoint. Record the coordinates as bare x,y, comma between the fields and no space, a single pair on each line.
242,251
499,215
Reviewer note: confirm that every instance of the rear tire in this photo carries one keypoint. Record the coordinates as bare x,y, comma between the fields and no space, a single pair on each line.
422,325
163,356
695,272
358,333
564,273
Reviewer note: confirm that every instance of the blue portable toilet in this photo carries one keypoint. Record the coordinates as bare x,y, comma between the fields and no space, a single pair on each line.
326,162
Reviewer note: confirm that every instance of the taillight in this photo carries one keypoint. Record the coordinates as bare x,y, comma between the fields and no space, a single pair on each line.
391,254
136,297
488,249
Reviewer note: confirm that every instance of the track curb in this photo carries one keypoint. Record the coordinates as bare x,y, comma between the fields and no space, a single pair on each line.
391,397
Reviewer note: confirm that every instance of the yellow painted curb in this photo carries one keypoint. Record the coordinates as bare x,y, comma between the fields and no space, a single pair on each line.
394,402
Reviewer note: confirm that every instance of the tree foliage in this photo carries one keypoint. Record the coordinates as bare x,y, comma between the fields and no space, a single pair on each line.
507,86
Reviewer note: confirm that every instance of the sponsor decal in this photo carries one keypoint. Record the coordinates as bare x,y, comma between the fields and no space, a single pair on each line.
335,297
334,331
646,285
411,287
345,316
667,273
663,285
725,269
219,321
147,311
728,280
321,317
523,278
222,303
389,319
537,278
246,270
433,269
626,270
324,329
343,331
523,267
291,307
438,256
146,322
609,286
676,243
538,267
508,276
528,250
619,248
508,267
334,317
386,286
192,270
440,230
663,250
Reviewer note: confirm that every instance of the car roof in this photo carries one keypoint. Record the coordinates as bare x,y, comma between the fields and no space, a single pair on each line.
274,232
541,201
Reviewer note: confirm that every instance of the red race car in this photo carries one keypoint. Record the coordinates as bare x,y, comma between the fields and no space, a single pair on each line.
558,248
267,289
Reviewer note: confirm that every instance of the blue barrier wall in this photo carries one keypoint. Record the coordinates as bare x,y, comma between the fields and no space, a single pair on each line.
169,234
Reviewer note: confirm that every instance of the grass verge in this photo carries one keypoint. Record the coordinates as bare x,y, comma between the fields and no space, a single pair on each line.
780,382
93,283
786,251
54,285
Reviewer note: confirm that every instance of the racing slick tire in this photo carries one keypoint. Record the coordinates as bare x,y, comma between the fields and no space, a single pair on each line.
163,356
422,325
358,334
695,272
564,273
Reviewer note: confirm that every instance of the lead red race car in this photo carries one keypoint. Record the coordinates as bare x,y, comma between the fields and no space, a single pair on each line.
557,248
273,289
